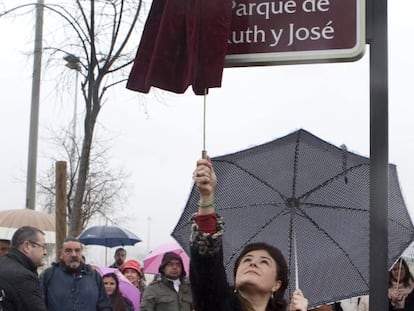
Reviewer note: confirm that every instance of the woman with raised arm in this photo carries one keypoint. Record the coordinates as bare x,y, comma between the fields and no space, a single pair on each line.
260,271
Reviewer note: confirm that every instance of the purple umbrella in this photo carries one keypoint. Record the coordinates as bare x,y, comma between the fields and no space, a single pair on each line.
126,288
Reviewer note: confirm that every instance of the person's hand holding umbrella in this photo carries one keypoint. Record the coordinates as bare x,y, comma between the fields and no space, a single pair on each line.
206,181
258,296
397,296
298,301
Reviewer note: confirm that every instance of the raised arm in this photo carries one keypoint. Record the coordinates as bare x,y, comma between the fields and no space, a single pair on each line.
206,181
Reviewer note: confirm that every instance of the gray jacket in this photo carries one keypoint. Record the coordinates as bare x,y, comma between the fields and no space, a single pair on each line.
160,295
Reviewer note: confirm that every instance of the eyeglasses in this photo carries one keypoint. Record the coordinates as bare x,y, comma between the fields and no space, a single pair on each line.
39,245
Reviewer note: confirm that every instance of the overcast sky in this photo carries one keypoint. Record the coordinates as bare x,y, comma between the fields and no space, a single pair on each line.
158,142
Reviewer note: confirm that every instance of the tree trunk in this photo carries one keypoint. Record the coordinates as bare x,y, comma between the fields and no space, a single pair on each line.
92,110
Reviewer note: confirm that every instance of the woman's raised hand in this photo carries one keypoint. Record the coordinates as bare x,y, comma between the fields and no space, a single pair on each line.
205,180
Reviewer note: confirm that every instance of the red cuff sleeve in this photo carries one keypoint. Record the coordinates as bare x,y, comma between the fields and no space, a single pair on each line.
207,223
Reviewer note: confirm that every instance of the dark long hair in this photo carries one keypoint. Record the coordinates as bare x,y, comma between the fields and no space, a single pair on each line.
277,302
408,277
117,300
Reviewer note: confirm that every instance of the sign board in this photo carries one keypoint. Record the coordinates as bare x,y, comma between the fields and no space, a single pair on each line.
267,32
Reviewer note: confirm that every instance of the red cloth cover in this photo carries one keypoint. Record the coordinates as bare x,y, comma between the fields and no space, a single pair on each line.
184,43
207,223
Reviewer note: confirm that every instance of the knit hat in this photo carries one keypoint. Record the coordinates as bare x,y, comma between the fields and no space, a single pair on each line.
132,264
168,256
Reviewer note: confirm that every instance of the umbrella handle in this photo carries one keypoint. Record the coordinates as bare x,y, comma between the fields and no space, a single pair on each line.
295,258
399,272
204,151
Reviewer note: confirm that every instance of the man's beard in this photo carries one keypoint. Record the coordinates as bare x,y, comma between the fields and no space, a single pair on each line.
74,265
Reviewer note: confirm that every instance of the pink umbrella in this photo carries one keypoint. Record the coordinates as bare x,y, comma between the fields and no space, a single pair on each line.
126,288
153,260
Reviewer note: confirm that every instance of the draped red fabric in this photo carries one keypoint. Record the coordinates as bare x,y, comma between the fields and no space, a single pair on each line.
184,43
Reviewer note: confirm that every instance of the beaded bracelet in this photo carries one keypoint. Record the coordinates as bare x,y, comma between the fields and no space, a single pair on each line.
206,204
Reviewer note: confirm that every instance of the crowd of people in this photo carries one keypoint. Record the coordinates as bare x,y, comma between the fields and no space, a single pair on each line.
260,274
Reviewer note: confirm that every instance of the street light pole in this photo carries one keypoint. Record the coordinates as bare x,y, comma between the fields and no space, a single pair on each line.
34,114
73,62
149,232
75,113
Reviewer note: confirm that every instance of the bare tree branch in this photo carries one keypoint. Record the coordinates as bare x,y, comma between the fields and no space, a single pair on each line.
106,189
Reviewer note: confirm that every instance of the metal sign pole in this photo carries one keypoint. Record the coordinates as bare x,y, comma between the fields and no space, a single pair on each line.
378,265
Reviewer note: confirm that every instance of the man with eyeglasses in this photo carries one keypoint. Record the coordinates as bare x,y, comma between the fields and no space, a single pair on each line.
72,285
19,282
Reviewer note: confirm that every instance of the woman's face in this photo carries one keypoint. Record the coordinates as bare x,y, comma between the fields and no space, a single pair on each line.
257,271
110,285
132,275
398,271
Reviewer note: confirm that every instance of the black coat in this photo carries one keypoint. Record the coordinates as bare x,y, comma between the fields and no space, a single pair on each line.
211,291
209,285
20,283
409,303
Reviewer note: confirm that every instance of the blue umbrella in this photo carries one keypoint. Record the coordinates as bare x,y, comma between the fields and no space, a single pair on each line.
109,236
